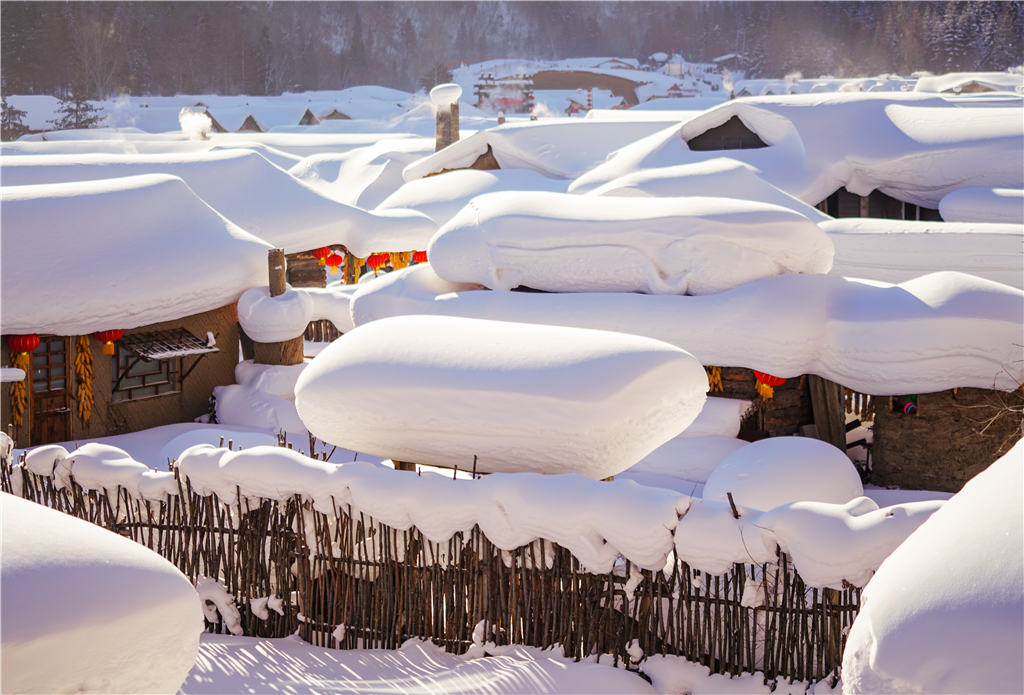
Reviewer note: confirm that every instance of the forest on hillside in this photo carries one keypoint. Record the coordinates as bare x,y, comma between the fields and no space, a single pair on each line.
103,49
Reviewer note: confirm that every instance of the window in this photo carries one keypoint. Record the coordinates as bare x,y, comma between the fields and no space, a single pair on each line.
136,378
49,365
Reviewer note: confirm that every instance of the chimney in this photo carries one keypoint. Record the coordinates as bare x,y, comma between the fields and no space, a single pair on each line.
446,102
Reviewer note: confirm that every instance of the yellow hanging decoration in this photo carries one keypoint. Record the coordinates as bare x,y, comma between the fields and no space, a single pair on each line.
765,390
83,376
715,378
400,259
357,263
22,361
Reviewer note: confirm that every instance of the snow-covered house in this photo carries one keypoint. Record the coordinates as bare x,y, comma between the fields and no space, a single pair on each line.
135,312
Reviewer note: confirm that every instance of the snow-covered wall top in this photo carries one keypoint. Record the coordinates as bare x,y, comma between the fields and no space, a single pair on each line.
564,243
118,253
996,81
597,521
916,148
248,190
941,331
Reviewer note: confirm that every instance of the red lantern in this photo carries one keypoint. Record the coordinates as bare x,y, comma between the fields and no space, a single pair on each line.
420,256
766,382
333,260
23,344
376,261
321,254
108,338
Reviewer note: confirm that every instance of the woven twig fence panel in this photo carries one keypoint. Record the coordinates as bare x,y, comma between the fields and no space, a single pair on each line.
347,581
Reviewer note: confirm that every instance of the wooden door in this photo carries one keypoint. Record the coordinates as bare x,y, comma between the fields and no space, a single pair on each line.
51,395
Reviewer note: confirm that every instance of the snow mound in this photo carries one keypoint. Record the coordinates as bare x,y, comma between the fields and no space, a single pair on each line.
258,196
564,243
517,397
772,472
268,319
941,331
689,458
86,610
715,178
943,614
84,226
262,396
901,250
984,205
441,197
720,417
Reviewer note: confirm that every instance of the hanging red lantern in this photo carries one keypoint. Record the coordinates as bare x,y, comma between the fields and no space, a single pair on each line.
23,344
420,256
376,261
766,382
333,260
322,254
108,338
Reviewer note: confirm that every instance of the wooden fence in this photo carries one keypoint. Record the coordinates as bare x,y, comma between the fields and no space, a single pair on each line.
348,581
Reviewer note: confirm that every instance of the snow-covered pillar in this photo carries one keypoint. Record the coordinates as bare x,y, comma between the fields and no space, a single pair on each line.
446,104
288,351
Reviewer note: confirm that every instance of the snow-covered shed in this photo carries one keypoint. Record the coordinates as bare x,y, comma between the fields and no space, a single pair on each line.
122,293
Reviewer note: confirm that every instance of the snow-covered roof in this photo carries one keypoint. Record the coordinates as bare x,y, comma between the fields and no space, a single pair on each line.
996,81
940,331
559,149
118,253
820,142
251,192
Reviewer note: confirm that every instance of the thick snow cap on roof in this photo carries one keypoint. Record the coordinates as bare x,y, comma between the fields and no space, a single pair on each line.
565,243
940,331
913,147
87,610
901,250
259,197
365,176
943,613
984,205
721,177
512,397
996,81
119,253
558,149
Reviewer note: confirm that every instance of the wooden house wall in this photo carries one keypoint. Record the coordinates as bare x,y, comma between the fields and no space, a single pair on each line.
842,203
780,416
952,437
731,135
576,79
216,369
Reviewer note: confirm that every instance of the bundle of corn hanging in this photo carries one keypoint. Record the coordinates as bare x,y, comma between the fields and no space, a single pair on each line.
715,378
22,361
357,263
400,259
83,376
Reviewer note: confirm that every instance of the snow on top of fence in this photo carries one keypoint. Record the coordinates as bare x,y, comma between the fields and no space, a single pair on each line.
596,521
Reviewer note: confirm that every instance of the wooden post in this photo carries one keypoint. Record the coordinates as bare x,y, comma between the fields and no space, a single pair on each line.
350,268
289,351
829,413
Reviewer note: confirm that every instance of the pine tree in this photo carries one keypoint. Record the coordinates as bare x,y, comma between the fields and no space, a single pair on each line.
435,75
11,125
74,111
